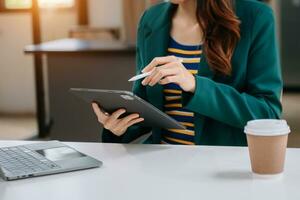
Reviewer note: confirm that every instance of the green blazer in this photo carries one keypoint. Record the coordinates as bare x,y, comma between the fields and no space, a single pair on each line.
222,104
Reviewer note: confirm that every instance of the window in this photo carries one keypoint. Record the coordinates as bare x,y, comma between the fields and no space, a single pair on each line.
56,3
17,4
11,5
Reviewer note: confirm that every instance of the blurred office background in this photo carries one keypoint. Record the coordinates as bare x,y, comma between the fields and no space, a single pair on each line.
48,46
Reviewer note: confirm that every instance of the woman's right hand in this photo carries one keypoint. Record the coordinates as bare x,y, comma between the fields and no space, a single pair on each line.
113,123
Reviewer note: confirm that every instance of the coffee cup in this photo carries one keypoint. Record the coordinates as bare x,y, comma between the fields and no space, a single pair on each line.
267,142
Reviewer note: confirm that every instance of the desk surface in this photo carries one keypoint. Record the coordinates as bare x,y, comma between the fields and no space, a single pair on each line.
70,45
159,172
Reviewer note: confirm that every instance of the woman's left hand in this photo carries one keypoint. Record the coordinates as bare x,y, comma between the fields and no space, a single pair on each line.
169,69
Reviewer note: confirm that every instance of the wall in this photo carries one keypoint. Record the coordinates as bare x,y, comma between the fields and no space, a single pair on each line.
55,24
16,69
105,13
275,4
17,89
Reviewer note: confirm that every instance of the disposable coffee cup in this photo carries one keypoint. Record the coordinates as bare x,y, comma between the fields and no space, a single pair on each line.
267,142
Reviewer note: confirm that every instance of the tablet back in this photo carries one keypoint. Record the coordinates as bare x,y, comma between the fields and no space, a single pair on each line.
111,100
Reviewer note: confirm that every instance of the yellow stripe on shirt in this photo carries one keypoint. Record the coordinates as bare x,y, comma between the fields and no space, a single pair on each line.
180,113
190,60
185,52
173,105
172,98
180,141
193,71
187,124
171,91
186,132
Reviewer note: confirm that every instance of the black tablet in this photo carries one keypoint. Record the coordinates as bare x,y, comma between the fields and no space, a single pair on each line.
111,100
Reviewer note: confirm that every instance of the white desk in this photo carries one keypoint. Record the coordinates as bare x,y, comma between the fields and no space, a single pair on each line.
159,172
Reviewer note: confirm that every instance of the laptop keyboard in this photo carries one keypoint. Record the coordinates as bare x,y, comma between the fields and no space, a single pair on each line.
22,161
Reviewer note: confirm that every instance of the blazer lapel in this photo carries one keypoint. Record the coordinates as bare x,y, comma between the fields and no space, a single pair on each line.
156,45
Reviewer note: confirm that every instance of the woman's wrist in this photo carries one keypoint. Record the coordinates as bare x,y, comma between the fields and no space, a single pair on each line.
192,84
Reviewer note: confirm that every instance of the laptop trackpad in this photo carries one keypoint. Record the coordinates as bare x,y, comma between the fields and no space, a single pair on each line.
60,153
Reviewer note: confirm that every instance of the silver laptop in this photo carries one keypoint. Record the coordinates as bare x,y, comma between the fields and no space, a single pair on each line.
40,159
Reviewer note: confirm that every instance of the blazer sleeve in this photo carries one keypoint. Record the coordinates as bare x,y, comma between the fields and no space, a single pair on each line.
138,89
261,98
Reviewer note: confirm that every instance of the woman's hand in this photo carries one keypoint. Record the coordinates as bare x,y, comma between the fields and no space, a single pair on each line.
113,123
169,69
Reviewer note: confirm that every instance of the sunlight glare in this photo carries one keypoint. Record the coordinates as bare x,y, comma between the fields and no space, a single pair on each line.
55,3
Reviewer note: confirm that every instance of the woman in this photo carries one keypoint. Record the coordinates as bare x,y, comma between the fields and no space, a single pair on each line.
215,67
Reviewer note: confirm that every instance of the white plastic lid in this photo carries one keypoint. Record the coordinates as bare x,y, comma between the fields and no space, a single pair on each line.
267,127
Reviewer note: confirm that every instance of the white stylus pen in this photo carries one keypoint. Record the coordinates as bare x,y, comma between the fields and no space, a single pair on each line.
143,75
140,76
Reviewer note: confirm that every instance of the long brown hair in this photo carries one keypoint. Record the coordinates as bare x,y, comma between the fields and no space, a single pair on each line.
221,32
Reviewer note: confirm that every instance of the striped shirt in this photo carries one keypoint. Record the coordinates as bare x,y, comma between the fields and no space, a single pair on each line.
191,55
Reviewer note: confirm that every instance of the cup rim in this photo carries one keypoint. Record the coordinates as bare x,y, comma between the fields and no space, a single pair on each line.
267,127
